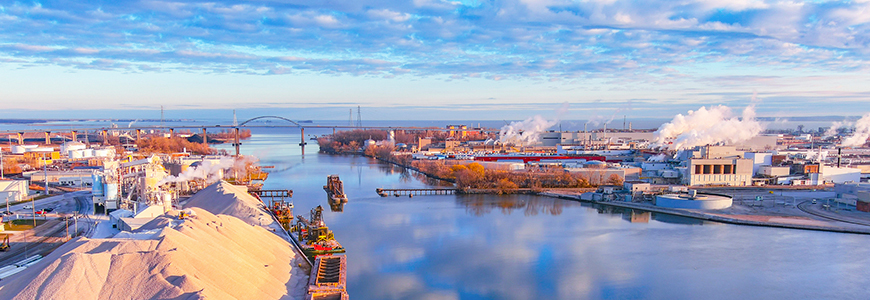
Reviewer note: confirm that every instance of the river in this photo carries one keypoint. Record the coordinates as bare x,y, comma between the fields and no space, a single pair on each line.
529,247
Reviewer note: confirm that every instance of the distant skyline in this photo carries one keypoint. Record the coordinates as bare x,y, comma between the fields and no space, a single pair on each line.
432,59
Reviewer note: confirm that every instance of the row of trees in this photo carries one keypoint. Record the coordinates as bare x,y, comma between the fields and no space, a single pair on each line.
349,141
465,175
159,144
475,176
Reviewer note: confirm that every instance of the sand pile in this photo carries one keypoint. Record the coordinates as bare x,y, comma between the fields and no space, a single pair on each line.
204,256
227,199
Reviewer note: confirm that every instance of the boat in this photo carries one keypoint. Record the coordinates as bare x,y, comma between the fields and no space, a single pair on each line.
335,190
313,237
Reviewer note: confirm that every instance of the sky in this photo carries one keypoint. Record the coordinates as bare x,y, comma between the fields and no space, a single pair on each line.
433,59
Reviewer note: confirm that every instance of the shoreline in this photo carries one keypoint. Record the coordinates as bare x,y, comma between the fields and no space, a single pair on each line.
820,225
706,216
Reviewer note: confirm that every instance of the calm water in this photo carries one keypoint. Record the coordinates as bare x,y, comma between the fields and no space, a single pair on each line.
524,247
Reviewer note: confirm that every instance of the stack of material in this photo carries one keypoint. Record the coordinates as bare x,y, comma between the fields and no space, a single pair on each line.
203,256
234,200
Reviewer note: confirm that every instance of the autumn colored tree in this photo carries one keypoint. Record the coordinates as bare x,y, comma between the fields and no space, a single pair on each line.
614,180
159,144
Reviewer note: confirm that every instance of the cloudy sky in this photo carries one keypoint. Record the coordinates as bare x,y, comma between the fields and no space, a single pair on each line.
436,59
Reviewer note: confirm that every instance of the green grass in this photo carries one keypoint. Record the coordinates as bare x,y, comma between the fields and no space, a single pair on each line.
22,224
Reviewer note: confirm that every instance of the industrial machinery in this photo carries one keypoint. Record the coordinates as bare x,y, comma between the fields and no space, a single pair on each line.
283,211
4,243
313,235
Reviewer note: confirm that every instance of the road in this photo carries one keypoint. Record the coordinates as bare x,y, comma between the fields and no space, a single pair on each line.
60,204
817,210
70,217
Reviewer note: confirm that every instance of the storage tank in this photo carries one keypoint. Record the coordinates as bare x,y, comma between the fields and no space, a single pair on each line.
97,188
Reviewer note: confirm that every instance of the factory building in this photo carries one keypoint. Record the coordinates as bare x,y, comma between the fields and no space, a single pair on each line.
717,165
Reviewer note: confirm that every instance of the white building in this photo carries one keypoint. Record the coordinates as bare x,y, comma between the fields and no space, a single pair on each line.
759,159
840,175
13,190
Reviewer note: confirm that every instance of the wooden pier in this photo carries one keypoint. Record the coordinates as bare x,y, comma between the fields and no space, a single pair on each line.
414,192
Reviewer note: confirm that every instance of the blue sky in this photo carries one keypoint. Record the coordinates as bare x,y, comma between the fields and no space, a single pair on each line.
435,59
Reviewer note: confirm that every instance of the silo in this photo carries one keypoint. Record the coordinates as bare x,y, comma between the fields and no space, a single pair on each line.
97,188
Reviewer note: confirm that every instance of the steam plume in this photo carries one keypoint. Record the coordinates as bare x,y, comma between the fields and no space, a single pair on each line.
208,170
527,132
657,158
709,126
859,137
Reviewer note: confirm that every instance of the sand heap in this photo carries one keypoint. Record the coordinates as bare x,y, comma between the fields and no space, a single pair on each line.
204,256
227,199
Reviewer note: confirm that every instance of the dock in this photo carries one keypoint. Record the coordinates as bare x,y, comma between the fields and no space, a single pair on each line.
414,192
273,193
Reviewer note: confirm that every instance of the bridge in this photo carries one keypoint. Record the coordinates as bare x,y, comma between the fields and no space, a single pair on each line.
74,132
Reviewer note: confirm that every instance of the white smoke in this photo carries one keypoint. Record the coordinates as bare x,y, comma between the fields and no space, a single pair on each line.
528,132
709,126
859,137
657,158
208,170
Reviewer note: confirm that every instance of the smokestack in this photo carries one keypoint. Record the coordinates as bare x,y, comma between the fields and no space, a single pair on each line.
839,153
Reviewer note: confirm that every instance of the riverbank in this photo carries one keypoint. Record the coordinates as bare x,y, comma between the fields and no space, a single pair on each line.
738,215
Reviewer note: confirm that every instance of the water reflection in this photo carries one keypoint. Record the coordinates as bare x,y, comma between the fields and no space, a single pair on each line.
461,247
335,206
482,204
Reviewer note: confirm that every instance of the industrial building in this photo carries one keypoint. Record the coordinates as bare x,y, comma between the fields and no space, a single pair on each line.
717,165
13,190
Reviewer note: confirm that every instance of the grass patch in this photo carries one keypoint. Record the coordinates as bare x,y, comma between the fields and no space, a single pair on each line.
22,224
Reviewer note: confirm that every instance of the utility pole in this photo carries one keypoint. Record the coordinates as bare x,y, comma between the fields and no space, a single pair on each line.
45,173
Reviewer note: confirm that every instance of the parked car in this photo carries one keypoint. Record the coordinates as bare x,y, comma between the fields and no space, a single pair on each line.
40,212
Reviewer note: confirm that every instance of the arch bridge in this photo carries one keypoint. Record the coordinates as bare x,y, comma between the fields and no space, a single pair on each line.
270,117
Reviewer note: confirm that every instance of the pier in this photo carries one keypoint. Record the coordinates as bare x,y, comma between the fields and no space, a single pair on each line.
414,192
273,193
